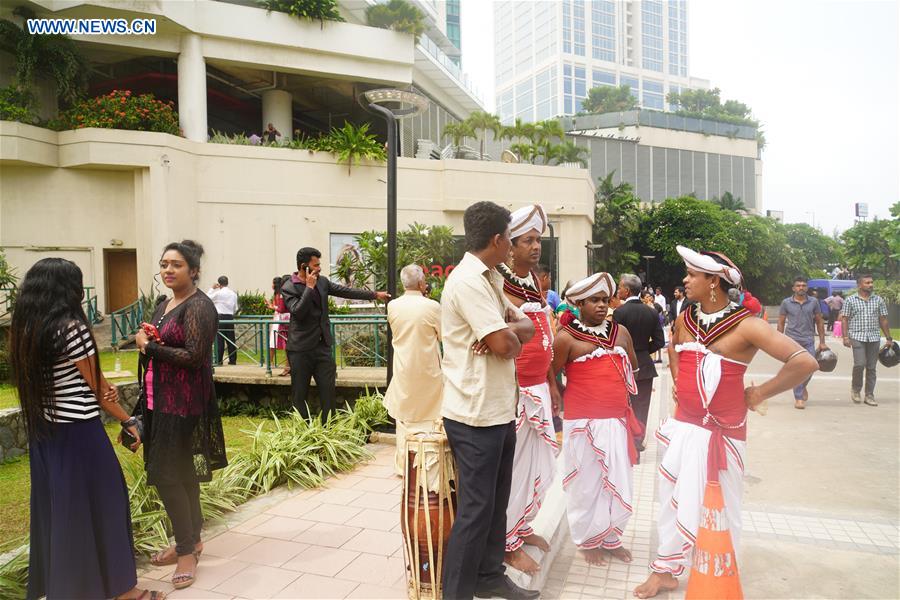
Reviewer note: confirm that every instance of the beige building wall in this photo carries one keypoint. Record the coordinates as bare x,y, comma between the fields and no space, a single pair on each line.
251,207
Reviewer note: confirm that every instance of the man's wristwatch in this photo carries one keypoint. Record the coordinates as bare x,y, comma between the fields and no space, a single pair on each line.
129,422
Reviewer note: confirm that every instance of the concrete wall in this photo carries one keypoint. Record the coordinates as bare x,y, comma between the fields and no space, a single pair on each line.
251,207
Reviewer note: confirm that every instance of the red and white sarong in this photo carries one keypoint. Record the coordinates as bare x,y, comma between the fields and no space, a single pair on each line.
696,451
598,447
534,465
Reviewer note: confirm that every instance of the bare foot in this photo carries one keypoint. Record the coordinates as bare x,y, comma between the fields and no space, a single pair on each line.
656,583
536,540
285,372
622,553
519,559
595,556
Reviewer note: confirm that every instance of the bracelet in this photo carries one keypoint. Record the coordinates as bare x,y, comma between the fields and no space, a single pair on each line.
129,422
793,355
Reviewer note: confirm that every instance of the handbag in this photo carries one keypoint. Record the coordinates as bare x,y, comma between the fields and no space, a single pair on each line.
138,412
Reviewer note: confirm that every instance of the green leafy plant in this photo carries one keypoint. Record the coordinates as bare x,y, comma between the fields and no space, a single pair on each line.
312,10
397,15
54,56
14,570
458,132
17,104
606,98
252,303
569,153
419,244
617,217
350,144
729,202
120,109
369,411
482,122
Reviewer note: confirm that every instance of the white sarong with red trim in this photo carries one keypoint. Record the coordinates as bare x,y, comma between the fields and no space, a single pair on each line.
534,464
598,453
687,463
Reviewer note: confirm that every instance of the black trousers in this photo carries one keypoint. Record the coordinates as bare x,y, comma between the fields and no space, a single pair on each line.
182,502
640,404
319,364
484,463
226,331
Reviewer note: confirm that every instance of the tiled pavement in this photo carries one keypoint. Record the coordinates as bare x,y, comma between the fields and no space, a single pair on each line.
572,578
341,541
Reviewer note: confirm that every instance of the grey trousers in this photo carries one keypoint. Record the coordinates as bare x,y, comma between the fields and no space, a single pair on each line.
865,357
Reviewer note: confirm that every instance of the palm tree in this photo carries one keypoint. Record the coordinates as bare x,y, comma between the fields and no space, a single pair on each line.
544,134
617,217
568,152
524,151
484,122
729,202
458,132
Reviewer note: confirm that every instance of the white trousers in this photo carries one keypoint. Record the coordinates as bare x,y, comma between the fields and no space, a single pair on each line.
534,465
682,483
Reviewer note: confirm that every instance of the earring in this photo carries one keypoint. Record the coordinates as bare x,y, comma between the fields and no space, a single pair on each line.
712,294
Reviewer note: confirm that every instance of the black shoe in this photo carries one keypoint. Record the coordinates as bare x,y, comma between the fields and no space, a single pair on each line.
505,588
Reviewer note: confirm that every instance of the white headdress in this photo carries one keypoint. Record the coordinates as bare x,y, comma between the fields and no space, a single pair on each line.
587,287
706,263
526,219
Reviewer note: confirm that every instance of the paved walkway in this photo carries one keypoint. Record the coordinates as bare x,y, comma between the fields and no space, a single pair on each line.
340,541
820,515
820,498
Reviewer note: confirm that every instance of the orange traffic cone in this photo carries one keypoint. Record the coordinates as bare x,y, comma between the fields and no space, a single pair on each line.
714,570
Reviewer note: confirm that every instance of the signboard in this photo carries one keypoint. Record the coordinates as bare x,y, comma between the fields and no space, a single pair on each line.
862,210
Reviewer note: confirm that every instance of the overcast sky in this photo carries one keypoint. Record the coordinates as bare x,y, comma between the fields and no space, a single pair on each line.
822,76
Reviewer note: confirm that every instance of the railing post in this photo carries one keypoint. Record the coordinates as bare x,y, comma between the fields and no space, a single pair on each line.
268,332
377,345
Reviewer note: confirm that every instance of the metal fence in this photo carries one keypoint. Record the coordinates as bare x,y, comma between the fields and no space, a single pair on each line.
126,321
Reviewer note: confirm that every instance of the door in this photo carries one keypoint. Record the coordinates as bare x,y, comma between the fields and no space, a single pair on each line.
120,267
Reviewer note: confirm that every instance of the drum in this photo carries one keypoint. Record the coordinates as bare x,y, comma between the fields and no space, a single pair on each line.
427,511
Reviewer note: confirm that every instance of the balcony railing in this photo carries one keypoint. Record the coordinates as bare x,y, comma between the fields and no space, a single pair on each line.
432,49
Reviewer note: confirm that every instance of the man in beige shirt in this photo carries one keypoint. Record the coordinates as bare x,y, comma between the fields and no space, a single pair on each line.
413,397
482,333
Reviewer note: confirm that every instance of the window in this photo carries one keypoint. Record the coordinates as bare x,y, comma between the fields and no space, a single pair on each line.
603,32
652,34
568,86
580,85
524,99
633,84
603,78
505,105
567,26
578,27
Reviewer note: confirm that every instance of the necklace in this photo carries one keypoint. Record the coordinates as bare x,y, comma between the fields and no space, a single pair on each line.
524,288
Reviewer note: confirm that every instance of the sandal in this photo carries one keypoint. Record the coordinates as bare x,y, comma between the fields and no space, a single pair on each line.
157,559
146,595
183,580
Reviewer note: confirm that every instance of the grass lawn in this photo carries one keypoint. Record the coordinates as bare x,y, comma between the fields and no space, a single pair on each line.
15,478
895,333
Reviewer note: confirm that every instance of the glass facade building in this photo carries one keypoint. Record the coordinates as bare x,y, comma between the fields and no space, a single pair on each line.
549,53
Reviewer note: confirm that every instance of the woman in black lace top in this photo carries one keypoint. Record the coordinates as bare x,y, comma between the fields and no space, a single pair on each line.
183,441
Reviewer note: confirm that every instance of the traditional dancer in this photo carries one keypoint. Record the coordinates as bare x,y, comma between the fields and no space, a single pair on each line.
599,426
534,465
712,344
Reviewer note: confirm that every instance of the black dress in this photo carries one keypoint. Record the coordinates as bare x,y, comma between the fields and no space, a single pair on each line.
183,439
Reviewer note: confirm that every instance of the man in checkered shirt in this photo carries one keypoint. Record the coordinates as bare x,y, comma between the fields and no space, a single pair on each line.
861,317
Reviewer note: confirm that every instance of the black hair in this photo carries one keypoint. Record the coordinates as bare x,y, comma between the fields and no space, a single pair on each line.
222,280
801,279
191,251
646,293
862,276
48,304
277,282
541,269
680,288
723,283
305,254
482,221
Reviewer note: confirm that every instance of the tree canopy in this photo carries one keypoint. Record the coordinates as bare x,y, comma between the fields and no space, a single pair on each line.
606,98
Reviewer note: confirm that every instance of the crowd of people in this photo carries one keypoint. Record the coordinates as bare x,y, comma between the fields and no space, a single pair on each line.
494,366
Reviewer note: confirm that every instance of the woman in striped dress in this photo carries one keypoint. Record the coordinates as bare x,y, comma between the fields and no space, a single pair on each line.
81,542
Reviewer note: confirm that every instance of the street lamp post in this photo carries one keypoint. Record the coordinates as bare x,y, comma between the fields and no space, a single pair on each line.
590,247
648,258
410,104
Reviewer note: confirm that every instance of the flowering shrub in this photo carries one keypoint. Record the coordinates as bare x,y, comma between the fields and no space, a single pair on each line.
17,105
120,109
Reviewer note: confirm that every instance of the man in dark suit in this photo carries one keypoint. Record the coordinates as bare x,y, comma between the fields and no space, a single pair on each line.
677,305
642,322
309,335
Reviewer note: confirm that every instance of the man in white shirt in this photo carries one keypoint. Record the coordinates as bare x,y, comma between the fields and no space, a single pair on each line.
414,395
226,301
661,300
